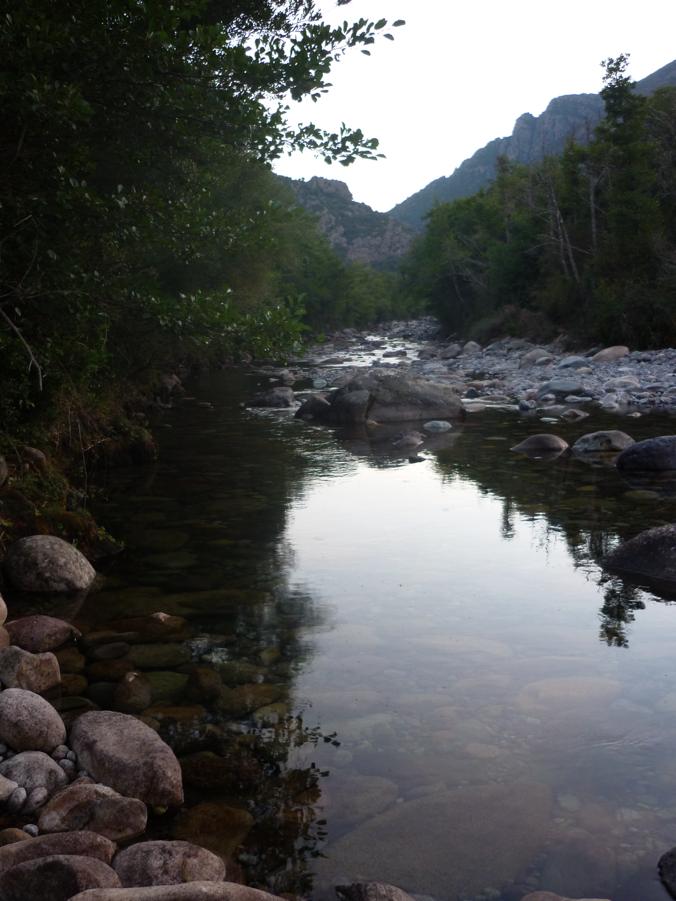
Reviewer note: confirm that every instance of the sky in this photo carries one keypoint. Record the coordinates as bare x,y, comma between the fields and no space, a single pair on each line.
460,73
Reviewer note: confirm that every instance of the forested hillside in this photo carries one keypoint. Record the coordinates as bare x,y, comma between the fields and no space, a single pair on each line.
585,242
139,219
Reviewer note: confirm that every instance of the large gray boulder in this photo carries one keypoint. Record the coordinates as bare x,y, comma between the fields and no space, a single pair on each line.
273,397
56,878
28,722
394,397
561,387
124,753
97,808
45,563
167,863
189,891
610,354
603,442
651,455
650,554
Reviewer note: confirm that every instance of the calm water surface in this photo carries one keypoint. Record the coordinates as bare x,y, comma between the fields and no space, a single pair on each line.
438,685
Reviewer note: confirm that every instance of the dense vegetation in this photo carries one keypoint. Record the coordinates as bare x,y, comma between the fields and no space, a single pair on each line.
585,242
139,218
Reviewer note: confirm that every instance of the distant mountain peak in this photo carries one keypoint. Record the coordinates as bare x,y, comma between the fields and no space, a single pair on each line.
533,137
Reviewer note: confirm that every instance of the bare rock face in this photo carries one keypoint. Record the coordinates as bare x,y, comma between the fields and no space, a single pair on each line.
189,891
28,722
55,878
96,808
32,672
40,633
122,752
44,563
167,863
83,844
37,774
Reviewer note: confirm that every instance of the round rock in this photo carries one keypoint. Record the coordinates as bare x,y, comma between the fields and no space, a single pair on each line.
189,891
603,442
651,554
28,722
56,878
167,863
45,563
39,633
129,756
653,454
541,444
96,808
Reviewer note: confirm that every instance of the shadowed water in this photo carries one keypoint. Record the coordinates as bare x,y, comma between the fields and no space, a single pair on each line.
484,713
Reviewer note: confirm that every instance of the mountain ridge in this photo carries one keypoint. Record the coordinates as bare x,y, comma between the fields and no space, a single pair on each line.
533,137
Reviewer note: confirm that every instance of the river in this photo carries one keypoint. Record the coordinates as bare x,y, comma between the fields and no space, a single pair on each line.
428,679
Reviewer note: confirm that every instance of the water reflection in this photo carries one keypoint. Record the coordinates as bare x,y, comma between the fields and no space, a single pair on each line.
426,636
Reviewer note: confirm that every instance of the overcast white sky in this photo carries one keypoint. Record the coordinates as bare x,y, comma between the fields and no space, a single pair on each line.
460,73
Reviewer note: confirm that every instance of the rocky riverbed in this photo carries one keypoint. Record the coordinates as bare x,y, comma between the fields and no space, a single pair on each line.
510,372
117,724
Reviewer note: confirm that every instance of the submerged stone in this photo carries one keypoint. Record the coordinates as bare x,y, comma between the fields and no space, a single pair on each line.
437,845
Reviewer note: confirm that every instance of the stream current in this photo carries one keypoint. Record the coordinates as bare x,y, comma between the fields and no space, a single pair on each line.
427,678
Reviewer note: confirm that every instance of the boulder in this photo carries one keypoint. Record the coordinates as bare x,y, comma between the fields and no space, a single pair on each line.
573,362
167,863
273,397
437,426
33,672
551,896
3,610
39,633
667,870
189,891
83,844
96,808
37,774
541,444
650,554
133,693
394,397
4,471
610,354
409,441
129,756
653,454
28,722
371,891
530,358
56,878
560,388
603,442
315,407
215,825
45,563
471,347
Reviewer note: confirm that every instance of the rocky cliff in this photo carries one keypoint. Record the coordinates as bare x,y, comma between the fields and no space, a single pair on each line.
534,137
355,231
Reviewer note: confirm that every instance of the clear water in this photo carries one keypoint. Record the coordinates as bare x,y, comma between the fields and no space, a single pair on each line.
484,713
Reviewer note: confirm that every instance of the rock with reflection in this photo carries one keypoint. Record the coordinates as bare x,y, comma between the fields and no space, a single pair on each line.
649,557
652,454
541,445
607,441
